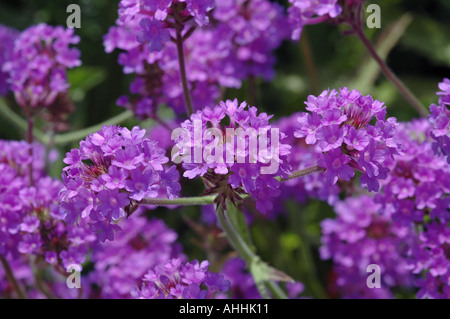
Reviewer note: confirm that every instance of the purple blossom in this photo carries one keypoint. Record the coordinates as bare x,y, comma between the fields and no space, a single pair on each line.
362,235
110,173
37,66
153,33
181,280
340,126
235,168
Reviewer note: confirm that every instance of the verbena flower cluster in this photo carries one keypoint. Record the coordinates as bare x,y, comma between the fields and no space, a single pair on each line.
385,183
232,165
31,220
403,228
352,133
111,172
37,66
177,279
238,44
119,265
360,236
416,196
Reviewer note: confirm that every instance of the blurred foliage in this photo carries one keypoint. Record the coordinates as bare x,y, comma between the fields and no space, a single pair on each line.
420,56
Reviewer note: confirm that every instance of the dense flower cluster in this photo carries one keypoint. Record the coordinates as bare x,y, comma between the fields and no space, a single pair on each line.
31,221
37,67
358,237
440,120
237,46
110,173
231,156
415,195
177,279
151,20
340,126
120,264
7,38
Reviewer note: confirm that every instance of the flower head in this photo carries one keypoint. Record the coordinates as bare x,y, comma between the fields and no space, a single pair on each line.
110,173
341,126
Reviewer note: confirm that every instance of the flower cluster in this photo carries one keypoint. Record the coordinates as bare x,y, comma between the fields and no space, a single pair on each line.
415,195
219,55
177,279
440,120
7,38
358,237
120,264
254,29
340,125
31,222
151,20
227,137
37,67
111,172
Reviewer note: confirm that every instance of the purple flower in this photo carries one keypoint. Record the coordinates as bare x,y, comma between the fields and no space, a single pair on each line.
336,165
37,66
362,235
330,137
110,173
340,124
115,178
153,33
111,202
178,280
235,165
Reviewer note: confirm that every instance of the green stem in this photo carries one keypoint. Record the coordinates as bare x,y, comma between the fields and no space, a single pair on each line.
12,279
62,139
183,201
276,291
236,241
403,89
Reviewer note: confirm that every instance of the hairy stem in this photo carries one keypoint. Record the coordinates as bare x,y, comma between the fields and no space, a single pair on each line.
12,279
184,82
303,172
409,96
183,201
